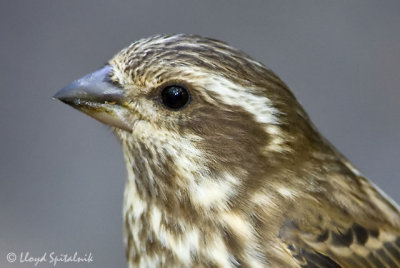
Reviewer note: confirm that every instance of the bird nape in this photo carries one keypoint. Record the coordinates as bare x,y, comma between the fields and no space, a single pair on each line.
225,168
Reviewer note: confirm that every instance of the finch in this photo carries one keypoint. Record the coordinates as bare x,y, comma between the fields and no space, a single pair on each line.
225,168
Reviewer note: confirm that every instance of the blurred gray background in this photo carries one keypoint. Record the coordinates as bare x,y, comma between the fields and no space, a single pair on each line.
62,173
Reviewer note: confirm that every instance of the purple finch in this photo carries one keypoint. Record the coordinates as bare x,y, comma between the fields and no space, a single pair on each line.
225,168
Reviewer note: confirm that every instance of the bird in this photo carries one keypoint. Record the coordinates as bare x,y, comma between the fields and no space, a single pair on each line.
224,166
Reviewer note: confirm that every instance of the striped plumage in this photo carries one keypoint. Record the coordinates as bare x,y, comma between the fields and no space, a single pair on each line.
239,176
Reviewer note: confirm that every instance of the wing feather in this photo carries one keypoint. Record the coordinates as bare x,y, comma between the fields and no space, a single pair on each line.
339,240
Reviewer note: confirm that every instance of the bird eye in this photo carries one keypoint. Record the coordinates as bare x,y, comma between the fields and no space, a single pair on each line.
174,97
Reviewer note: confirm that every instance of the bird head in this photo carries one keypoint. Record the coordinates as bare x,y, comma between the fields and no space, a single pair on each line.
197,118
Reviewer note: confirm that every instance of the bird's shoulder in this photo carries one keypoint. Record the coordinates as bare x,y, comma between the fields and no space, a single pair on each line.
354,225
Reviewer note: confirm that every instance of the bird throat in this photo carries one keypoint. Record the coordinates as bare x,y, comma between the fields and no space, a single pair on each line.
170,206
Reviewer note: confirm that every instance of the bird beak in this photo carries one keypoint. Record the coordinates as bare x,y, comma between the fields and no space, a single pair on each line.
95,95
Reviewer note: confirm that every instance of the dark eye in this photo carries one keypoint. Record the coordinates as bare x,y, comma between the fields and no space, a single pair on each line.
174,97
